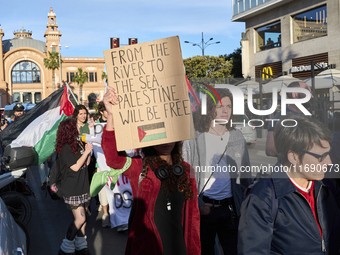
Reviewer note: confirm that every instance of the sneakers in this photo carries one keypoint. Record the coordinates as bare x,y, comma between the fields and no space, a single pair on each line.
122,228
84,251
106,221
43,186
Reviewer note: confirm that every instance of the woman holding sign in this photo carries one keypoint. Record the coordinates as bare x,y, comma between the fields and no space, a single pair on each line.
166,219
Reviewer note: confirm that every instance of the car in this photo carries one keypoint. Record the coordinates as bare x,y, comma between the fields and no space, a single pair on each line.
248,130
13,237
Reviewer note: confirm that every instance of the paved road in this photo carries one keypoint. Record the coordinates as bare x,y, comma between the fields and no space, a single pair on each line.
258,156
50,219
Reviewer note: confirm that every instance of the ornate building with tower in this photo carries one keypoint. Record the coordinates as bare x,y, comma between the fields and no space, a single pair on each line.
24,77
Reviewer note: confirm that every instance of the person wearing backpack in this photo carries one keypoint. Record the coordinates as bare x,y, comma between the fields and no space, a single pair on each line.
306,217
166,219
73,159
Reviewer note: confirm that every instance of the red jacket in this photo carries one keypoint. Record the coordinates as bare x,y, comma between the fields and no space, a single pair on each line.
144,237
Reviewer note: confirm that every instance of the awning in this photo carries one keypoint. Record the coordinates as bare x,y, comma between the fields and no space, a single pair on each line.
249,84
278,83
326,79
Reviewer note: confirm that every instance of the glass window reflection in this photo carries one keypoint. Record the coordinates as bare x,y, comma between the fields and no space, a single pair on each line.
310,24
25,72
269,36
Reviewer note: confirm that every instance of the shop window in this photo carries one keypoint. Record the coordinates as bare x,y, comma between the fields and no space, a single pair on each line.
27,98
310,24
16,97
37,97
269,36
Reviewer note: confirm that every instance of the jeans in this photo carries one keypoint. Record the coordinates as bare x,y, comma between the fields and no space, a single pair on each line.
219,221
43,171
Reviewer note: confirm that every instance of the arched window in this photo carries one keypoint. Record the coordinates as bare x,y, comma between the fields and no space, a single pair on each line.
25,72
92,99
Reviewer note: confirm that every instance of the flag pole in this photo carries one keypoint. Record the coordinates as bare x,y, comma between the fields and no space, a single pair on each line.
75,99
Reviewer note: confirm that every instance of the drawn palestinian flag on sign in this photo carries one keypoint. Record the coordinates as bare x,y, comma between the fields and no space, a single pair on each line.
151,132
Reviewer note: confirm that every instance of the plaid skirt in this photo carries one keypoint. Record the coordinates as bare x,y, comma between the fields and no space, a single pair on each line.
73,202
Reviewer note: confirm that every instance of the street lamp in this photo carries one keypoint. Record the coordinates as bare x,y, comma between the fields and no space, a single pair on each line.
60,59
202,45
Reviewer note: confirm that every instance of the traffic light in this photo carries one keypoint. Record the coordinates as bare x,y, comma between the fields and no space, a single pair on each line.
133,41
114,42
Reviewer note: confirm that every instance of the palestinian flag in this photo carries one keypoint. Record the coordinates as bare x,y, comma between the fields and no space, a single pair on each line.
151,132
37,128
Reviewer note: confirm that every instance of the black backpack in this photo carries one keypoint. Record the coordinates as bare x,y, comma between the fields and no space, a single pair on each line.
56,175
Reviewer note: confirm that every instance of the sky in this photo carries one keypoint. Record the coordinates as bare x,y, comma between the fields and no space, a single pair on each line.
87,25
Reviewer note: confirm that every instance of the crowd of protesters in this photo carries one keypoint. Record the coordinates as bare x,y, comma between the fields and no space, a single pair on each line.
180,207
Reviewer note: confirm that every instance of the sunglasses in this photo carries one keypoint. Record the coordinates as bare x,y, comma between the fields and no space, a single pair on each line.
319,157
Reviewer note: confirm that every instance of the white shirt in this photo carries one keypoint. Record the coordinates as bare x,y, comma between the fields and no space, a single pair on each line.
219,185
297,185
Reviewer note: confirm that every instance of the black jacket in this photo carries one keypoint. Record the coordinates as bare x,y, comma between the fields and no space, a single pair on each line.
294,230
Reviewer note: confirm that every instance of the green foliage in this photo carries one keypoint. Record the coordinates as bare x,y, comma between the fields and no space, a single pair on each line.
104,76
207,69
81,78
236,57
95,107
52,63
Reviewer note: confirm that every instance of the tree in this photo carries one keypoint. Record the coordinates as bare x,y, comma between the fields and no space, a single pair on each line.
236,57
207,69
52,62
104,76
81,78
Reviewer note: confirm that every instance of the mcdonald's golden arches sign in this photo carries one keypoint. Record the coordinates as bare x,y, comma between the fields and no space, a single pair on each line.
268,70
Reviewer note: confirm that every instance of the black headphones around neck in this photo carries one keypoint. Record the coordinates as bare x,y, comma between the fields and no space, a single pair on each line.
162,172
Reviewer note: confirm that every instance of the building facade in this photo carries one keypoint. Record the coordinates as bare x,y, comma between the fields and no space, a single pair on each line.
287,37
24,77
288,33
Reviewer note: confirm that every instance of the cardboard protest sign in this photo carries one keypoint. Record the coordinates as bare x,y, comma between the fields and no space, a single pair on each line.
154,106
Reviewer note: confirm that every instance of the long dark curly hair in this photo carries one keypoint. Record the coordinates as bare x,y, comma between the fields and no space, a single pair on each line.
202,122
173,182
77,110
67,133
